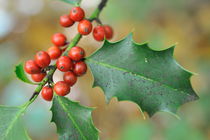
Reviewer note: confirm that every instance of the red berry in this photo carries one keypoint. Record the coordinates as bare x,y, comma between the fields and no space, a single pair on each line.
66,21
64,64
108,32
77,14
84,27
38,77
80,68
42,59
59,39
70,78
31,67
62,88
54,52
47,93
76,53
99,33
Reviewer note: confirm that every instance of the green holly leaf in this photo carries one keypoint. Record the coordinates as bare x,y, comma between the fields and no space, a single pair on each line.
135,72
73,2
73,121
11,126
20,73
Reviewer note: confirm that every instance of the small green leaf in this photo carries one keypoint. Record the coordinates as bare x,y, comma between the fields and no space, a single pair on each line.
73,2
73,121
11,126
135,72
20,73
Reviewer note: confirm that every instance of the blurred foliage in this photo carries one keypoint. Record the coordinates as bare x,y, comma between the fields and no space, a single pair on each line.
8,57
183,131
147,131
27,25
136,131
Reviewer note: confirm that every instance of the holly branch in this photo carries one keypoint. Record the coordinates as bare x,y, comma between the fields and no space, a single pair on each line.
74,42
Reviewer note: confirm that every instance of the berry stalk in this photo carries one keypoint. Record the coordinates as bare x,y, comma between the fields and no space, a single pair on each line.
73,43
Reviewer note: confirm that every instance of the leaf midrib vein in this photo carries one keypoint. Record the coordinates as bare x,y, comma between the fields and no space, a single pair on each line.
13,122
134,74
71,118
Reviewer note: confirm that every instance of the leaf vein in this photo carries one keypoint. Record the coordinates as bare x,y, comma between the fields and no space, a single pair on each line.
13,122
134,74
72,119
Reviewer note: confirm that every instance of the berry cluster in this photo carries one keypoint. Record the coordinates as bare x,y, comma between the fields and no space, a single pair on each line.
72,65
102,31
77,14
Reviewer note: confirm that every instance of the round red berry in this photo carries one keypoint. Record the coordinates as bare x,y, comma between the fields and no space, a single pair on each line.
64,64
77,14
70,78
76,53
99,33
59,39
80,68
85,27
54,52
108,31
31,67
66,21
42,59
62,88
47,93
38,77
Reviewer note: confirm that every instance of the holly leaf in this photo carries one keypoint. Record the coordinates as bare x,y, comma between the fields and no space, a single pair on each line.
11,126
152,79
20,73
73,2
73,121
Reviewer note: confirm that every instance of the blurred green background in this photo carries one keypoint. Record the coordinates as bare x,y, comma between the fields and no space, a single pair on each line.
26,26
